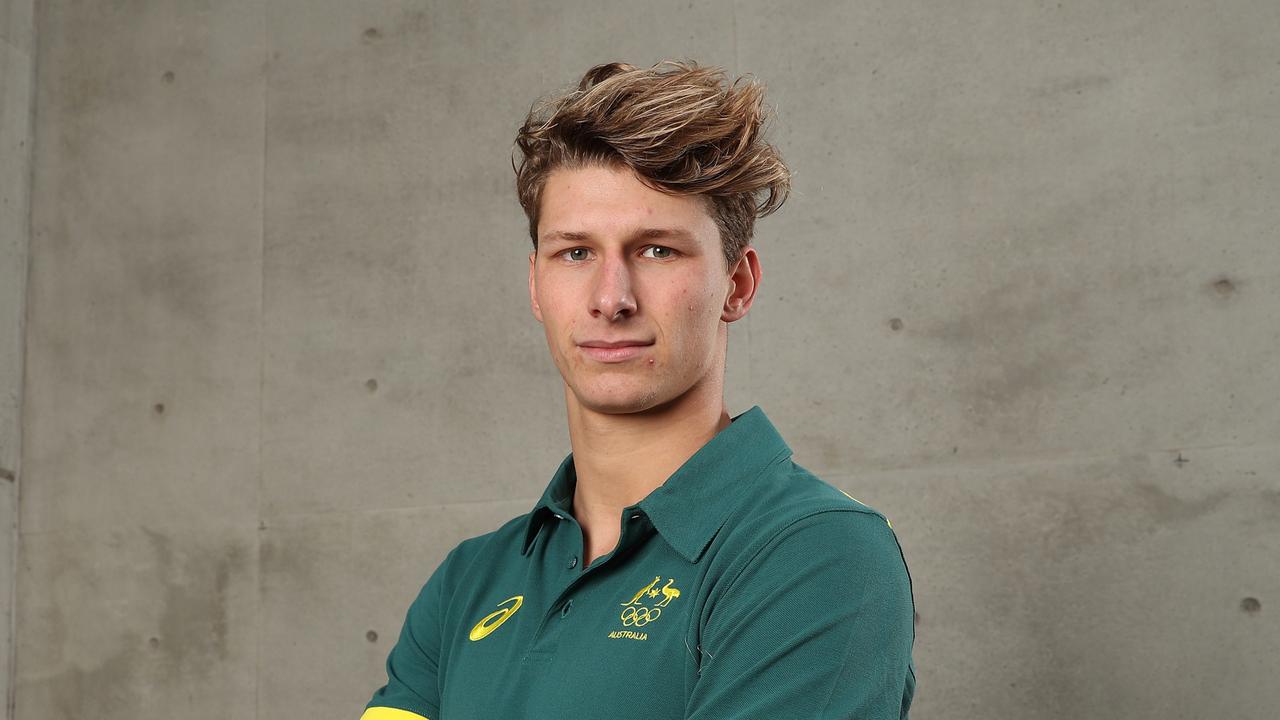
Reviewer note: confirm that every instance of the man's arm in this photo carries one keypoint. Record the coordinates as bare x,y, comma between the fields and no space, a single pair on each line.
412,691
819,624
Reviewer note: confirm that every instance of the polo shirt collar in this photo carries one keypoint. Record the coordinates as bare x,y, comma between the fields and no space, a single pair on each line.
691,506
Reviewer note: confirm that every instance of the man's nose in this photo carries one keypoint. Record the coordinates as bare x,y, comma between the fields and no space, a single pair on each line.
613,296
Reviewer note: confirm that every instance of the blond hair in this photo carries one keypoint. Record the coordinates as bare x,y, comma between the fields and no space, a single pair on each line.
683,129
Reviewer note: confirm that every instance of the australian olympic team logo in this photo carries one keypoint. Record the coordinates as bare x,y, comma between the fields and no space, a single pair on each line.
636,613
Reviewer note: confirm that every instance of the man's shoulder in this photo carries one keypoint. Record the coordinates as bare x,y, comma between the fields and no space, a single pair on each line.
503,540
790,504
789,492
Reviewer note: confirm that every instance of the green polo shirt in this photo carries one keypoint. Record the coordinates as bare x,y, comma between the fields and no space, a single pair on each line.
743,587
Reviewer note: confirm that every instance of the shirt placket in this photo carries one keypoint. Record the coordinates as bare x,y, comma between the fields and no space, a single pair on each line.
564,561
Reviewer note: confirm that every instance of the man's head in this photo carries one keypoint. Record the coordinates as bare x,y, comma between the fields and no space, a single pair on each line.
642,188
681,128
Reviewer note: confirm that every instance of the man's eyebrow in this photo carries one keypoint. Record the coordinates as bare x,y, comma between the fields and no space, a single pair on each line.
645,234
567,235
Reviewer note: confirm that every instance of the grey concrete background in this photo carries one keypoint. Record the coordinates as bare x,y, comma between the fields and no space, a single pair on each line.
1025,300
17,67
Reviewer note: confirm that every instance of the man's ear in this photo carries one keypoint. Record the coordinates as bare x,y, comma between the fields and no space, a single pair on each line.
744,280
533,288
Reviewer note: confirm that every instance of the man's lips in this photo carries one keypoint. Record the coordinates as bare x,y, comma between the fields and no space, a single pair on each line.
614,343
614,351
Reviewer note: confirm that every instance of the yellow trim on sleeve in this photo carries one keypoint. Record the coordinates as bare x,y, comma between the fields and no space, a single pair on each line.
852,498
886,520
386,713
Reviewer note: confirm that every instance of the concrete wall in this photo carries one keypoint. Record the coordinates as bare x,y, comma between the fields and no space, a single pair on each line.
17,67
1026,300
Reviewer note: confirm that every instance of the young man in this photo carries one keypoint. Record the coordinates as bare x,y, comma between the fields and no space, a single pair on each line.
679,564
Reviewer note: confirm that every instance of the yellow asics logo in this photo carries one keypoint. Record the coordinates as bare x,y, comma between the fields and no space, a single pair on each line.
491,621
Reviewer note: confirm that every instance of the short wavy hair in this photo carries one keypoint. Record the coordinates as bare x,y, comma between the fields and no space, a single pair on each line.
683,129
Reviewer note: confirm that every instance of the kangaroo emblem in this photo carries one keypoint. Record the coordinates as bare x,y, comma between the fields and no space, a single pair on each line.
643,590
636,613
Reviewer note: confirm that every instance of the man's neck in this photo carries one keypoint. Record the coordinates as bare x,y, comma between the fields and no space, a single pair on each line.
619,459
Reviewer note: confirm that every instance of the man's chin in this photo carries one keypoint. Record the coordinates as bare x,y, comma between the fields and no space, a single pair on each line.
617,400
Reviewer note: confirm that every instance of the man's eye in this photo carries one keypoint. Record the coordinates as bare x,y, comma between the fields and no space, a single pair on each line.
569,254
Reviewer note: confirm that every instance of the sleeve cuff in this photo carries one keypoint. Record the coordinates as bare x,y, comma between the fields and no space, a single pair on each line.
389,713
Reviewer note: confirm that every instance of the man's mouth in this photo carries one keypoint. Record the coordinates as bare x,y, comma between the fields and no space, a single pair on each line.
614,351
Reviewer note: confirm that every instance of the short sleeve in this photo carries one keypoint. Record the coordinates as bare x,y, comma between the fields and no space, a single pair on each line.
412,690
818,624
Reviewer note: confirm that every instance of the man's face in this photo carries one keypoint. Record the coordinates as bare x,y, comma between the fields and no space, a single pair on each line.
620,262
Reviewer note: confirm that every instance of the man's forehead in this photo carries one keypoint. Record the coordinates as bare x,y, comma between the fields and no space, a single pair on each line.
615,198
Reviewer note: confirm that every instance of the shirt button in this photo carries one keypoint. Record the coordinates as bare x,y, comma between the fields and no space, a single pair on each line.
564,611
573,562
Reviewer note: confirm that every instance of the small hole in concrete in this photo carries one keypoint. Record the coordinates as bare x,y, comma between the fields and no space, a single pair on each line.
1224,286
371,385
372,33
168,76
371,636
159,408
1251,605
895,324
154,642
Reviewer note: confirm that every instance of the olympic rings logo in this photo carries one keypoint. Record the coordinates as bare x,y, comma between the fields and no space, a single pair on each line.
639,615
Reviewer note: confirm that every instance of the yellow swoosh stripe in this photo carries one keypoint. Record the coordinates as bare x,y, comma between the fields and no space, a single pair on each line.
386,713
